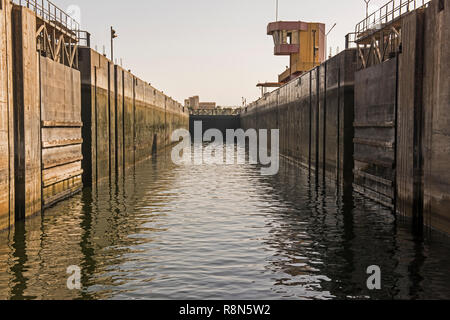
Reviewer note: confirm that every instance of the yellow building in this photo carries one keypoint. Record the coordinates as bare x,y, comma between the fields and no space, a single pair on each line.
303,42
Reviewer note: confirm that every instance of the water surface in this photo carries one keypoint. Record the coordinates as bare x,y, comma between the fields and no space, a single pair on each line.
219,232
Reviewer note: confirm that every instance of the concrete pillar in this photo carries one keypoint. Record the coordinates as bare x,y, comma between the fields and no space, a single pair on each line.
88,116
436,104
98,116
129,119
410,119
6,119
26,114
119,104
423,170
112,121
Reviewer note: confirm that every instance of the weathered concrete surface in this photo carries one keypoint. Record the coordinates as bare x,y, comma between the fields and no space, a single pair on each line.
156,117
375,105
410,116
61,130
423,122
6,119
150,120
97,116
126,120
337,114
177,117
129,115
315,116
26,114
416,157
47,123
119,104
436,106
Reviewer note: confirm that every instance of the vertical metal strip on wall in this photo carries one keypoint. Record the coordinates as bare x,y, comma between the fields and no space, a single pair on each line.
324,147
317,122
310,122
418,127
96,122
338,127
123,124
109,120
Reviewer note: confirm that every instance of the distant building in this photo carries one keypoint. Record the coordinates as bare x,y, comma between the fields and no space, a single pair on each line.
207,105
192,102
195,104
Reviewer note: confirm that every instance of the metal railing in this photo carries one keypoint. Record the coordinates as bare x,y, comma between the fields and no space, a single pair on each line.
387,14
51,13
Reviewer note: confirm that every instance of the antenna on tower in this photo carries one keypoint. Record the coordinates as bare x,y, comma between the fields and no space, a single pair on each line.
277,12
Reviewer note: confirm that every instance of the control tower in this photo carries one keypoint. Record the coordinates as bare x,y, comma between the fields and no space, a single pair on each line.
303,42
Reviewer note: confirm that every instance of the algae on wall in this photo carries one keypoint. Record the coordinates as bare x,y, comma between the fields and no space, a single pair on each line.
129,120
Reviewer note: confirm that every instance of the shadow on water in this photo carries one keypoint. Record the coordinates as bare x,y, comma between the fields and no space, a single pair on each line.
219,232
19,281
88,265
349,234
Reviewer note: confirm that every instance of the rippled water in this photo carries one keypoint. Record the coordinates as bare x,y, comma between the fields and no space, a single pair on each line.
219,232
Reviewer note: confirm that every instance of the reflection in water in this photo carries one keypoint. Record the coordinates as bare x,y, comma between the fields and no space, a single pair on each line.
19,254
219,232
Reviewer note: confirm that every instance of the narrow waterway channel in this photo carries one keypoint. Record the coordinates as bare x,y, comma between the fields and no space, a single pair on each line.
219,232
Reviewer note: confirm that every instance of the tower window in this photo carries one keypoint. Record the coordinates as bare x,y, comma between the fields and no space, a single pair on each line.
441,6
289,38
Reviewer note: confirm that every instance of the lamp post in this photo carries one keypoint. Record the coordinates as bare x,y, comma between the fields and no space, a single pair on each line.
113,36
367,7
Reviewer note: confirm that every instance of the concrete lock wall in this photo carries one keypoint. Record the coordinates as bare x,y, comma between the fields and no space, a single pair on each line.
60,131
97,116
402,135
374,154
47,138
436,110
6,119
410,83
58,123
315,116
47,119
423,169
125,119
27,142
156,117
98,110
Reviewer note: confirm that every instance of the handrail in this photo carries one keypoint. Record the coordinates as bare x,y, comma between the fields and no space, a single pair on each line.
387,14
50,12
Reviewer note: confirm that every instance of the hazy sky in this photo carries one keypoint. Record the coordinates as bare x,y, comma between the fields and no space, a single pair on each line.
216,49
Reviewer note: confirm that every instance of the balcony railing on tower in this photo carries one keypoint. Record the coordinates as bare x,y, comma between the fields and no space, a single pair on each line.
379,36
58,34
